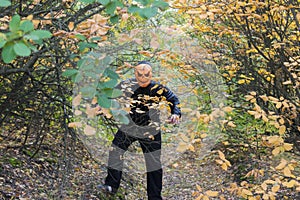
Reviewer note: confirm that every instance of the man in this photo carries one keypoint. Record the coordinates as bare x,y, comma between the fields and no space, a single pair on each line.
144,95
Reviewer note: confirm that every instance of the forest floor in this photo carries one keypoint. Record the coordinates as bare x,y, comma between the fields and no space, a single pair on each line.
50,176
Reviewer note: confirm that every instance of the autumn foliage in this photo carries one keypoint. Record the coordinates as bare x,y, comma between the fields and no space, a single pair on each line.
251,46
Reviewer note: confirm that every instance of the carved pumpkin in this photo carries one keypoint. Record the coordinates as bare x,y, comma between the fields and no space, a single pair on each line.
143,74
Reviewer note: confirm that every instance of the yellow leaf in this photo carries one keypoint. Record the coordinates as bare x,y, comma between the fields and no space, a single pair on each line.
282,164
231,124
242,81
228,109
276,151
191,148
290,184
287,172
282,129
220,162
265,196
224,166
160,91
264,98
212,193
71,26
199,188
278,105
186,110
264,186
221,155
281,121
205,197
199,197
182,146
273,99
251,112
248,97
88,130
275,188
264,118
288,146
247,192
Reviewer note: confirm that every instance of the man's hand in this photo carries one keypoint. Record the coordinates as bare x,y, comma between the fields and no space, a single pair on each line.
174,119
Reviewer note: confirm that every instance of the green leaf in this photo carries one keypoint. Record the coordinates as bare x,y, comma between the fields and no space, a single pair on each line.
111,74
148,12
88,91
87,1
41,34
112,93
80,37
70,72
5,3
109,84
110,8
8,54
14,23
143,2
161,5
3,40
26,26
21,49
114,19
103,2
84,45
103,101
133,9
121,116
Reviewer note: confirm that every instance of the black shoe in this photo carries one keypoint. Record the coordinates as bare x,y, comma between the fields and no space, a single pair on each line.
107,189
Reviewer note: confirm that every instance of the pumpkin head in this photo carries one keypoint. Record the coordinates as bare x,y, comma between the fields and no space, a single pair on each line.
143,74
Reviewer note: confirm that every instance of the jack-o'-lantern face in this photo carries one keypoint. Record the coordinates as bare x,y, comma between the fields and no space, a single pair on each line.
143,74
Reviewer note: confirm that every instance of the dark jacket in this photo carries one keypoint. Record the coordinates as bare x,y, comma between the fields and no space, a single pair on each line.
144,101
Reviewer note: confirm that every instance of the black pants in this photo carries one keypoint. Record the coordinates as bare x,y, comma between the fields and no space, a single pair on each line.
152,151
